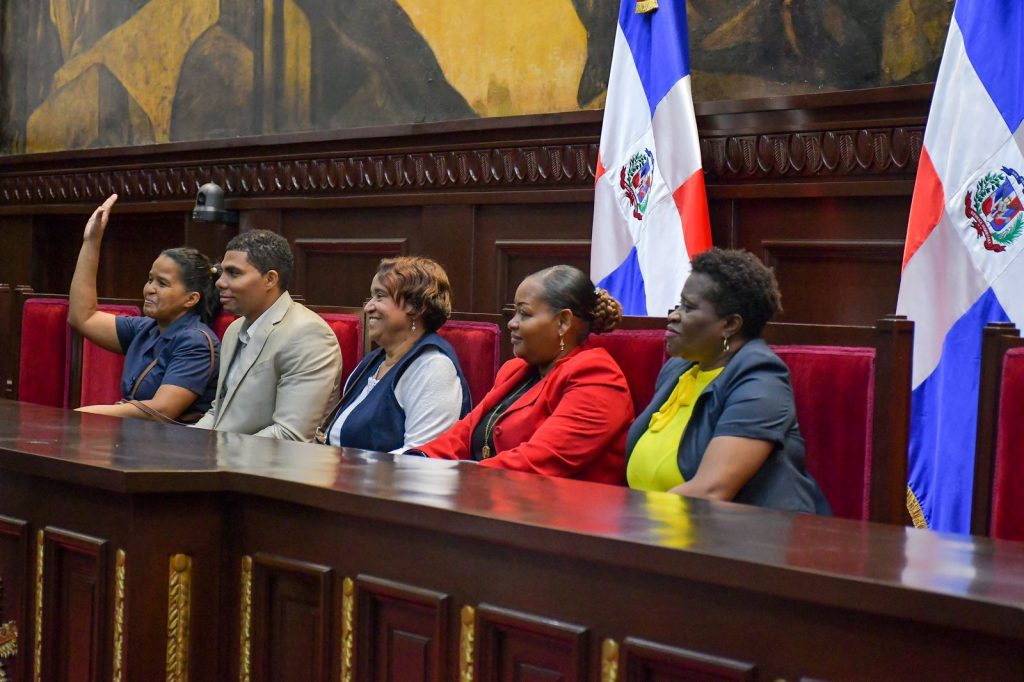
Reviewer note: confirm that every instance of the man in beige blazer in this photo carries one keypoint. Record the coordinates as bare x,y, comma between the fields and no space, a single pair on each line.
280,363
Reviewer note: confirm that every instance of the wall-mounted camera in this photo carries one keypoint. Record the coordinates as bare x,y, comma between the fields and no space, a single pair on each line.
209,206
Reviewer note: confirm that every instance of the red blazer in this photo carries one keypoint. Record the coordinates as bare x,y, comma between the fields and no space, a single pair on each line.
573,423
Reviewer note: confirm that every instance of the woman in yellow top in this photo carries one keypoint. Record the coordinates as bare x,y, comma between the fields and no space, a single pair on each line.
722,424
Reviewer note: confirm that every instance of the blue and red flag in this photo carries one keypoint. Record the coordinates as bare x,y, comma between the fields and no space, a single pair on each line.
650,206
960,267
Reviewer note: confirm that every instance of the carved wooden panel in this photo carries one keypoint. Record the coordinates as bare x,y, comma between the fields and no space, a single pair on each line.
519,258
74,605
859,275
644,661
513,646
329,270
14,591
401,632
290,620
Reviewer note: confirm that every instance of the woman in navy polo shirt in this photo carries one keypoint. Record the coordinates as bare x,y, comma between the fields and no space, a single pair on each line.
170,368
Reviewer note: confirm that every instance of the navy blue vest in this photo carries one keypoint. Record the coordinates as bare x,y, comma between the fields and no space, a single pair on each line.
378,423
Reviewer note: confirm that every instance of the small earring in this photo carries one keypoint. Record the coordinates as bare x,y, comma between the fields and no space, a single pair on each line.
414,325
561,344
725,344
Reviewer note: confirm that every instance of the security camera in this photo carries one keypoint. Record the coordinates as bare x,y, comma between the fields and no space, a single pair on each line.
209,206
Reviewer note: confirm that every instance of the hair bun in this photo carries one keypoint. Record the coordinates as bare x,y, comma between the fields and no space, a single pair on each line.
607,313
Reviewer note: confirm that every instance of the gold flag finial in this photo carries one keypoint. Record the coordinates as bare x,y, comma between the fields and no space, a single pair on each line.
645,6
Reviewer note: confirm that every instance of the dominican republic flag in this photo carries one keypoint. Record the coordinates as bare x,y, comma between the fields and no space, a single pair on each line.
961,267
650,207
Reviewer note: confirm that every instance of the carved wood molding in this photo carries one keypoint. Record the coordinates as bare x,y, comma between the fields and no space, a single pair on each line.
485,168
821,154
824,154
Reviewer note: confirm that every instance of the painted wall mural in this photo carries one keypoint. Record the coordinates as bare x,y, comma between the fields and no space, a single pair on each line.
78,74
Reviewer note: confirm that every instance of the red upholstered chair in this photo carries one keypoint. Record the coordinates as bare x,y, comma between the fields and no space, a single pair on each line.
640,353
476,339
851,385
996,507
44,358
834,390
1008,481
100,370
221,324
348,327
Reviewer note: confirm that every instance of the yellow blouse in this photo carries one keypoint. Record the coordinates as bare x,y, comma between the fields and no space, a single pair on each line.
654,463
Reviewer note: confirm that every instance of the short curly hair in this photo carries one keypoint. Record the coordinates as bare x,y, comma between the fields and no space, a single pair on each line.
742,286
420,282
267,251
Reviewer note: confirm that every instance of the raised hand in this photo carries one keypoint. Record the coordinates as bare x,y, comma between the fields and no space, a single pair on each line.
98,220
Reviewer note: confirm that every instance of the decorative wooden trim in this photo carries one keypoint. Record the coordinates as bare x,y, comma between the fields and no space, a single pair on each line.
467,642
120,572
8,639
40,553
179,612
11,637
348,605
860,152
515,167
855,135
609,660
245,628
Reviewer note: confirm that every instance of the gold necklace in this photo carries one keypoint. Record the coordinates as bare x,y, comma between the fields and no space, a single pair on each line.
485,451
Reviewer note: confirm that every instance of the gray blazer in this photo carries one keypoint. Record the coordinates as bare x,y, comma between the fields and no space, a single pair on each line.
290,373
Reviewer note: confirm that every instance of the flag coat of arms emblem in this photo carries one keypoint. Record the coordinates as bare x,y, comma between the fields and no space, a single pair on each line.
961,265
650,205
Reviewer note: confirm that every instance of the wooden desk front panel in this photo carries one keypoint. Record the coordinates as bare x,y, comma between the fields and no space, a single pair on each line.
178,554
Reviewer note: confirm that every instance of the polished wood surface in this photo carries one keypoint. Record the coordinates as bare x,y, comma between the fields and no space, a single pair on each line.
552,569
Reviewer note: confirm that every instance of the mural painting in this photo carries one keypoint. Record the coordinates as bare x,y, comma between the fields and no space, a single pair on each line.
78,74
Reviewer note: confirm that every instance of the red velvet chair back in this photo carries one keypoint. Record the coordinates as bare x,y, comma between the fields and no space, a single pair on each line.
349,331
101,369
1008,482
221,324
640,353
477,345
44,357
834,389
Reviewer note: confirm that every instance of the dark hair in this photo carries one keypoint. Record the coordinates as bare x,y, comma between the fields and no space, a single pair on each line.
567,287
420,282
742,286
267,251
197,274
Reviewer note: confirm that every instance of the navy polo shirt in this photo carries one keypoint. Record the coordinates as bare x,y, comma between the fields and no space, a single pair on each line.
182,353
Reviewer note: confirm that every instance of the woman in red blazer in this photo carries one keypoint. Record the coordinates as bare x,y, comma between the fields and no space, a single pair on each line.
560,408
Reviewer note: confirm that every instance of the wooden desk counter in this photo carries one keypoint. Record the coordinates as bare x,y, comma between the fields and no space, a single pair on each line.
130,550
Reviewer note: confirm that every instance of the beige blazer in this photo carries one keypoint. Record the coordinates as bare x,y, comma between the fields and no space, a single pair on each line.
289,376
